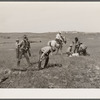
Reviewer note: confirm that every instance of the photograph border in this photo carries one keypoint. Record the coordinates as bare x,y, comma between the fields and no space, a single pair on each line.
77,94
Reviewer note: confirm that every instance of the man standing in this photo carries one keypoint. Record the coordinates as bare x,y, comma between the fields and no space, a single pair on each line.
28,47
76,45
17,48
23,50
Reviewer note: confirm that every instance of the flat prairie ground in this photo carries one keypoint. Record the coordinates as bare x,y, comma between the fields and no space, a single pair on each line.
61,72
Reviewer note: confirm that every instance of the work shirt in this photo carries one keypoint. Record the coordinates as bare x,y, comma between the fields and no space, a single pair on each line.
46,49
23,44
82,47
76,43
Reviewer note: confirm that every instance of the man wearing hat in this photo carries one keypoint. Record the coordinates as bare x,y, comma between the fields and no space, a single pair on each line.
23,48
44,54
82,49
59,38
28,47
76,45
17,48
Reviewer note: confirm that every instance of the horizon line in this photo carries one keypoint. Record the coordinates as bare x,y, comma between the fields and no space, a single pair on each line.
52,32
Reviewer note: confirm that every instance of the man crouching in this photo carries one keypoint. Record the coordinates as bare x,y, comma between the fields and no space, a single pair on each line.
44,55
83,49
69,51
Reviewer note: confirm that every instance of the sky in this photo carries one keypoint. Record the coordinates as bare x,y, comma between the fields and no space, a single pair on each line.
49,16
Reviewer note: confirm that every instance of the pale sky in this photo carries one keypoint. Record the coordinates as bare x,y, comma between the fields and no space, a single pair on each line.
49,16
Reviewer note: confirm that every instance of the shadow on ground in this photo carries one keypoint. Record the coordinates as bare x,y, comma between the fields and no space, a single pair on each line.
54,65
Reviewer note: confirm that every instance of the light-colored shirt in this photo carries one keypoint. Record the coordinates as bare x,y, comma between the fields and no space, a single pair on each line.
82,47
58,36
16,45
46,49
69,49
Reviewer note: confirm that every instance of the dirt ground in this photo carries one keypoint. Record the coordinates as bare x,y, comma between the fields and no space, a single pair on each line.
61,72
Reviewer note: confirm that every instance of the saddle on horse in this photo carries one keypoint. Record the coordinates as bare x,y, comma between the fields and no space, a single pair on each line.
59,41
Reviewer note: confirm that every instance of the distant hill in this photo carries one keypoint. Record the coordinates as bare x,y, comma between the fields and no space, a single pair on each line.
64,32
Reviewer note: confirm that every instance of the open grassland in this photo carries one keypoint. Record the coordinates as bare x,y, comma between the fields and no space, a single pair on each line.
61,72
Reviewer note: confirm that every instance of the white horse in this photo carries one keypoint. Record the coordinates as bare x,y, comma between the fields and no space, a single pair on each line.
56,45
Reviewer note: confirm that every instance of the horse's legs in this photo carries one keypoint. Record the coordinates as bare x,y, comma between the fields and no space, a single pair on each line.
61,50
60,47
57,51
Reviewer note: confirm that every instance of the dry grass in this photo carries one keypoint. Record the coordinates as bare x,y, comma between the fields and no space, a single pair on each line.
61,72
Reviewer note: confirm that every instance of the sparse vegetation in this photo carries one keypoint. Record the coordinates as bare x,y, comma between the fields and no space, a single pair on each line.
61,72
